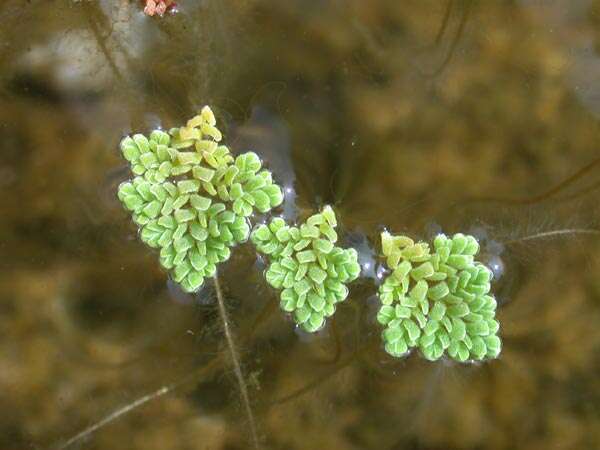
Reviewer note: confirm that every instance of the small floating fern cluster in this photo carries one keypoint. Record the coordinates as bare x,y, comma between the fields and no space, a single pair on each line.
191,197
437,300
307,266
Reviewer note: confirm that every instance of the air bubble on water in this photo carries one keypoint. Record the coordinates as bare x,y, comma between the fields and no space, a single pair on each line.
490,255
496,265
490,250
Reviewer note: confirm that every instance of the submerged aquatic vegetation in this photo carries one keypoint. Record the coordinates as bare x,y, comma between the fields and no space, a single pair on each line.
191,197
307,266
437,300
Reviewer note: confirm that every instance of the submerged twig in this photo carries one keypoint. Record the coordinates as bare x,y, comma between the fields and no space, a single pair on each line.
235,360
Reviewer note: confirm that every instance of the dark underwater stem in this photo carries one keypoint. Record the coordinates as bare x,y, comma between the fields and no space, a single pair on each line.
445,20
235,360
545,195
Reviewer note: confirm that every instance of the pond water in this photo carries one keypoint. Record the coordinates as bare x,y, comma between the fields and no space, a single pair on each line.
415,117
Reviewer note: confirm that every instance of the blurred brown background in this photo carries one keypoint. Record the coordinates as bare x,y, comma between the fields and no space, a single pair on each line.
413,115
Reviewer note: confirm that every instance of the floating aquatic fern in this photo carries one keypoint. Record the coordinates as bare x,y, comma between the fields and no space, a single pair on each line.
306,265
437,300
191,197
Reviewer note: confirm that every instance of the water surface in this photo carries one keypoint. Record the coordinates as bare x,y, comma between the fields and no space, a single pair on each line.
411,116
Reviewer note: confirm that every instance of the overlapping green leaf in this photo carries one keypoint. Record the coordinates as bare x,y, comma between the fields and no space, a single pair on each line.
191,197
437,300
307,267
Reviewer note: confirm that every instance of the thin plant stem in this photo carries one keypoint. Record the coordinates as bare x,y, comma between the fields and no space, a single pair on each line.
121,412
213,364
316,382
444,25
453,45
579,193
235,360
544,195
154,395
326,376
554,233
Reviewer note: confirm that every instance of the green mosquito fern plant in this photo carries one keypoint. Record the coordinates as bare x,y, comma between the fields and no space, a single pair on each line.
437,299
191,198
307,266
